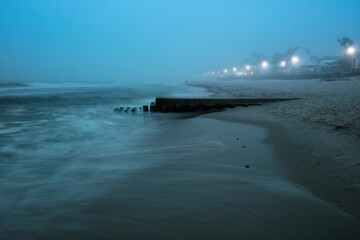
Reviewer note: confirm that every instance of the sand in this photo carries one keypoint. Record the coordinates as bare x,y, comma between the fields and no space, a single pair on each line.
331,104
316,138
326,163
211,194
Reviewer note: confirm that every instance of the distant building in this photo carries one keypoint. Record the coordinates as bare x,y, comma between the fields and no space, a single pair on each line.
299,60
279,62
328,64
303,54
255,59
303,63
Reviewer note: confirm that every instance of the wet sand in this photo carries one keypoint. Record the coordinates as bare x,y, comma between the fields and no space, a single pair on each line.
316,138
324,162
201,189
211,194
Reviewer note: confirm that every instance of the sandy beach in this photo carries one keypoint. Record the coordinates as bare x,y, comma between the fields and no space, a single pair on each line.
241,173
332,104
179,120
316,138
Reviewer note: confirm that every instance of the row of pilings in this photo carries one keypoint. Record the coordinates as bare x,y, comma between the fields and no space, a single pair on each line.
199,104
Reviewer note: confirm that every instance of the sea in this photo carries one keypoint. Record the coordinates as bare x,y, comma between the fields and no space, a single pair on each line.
62,147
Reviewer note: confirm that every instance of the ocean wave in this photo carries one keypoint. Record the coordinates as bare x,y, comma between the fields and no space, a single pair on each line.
12,85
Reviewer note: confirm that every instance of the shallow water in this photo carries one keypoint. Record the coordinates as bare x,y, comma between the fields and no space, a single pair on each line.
71,168
62,147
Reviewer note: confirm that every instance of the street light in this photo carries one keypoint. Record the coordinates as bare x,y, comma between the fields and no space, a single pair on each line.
264,64
351,51
234,69
294,59
283,64
247,67
225,70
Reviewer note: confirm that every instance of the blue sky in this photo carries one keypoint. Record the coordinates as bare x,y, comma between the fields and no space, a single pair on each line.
158,40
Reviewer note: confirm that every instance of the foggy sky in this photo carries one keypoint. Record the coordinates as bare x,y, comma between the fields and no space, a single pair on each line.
160,41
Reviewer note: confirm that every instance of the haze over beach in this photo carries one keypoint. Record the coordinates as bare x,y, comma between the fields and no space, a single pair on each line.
159,41
179,119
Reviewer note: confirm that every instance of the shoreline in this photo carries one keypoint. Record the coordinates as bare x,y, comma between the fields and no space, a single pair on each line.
331,172
202,189
177,176
334,105
314,154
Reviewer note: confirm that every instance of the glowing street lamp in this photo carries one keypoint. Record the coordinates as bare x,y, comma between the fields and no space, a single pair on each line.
351,51
264,64
225,70
234,69
283,64
247,67
294,59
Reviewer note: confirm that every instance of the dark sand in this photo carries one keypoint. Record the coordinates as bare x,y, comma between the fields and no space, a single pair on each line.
212,195
325,162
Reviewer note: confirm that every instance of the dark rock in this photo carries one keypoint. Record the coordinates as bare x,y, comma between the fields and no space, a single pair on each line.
247,166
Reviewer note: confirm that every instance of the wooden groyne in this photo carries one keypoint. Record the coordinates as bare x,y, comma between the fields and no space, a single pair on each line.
206,104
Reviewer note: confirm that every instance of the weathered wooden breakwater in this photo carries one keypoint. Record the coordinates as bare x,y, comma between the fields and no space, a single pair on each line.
199,104
206,104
